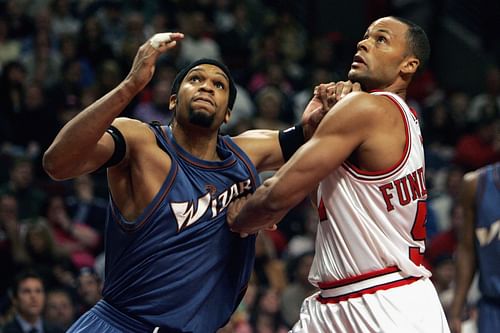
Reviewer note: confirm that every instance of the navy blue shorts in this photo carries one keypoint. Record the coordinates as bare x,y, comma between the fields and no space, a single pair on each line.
104,318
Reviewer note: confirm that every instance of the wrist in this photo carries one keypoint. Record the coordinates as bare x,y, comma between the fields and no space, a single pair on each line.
290,140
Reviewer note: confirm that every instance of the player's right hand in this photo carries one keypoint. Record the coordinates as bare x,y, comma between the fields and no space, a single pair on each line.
143,66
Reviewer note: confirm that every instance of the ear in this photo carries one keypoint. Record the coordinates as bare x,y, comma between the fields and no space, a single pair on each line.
410,65
227,116
172,102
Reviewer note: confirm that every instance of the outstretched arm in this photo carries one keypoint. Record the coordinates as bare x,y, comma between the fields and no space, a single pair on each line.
465,262
343,129
83,145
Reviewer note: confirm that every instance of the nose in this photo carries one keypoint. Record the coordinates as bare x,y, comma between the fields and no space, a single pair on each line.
363,45
207,86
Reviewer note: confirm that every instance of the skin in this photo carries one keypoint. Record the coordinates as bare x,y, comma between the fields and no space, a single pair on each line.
83,144
365,129
465,263
30,299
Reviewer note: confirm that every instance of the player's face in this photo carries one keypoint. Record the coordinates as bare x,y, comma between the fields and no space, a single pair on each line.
380,54
203,96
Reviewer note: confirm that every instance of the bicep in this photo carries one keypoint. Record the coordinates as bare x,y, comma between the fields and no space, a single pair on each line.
262,147
132,133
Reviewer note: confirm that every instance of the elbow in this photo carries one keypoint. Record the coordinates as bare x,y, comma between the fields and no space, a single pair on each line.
49,164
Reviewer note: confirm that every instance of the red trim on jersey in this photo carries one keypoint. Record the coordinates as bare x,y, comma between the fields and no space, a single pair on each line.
358,278
190,160
370,290
378,175
132,227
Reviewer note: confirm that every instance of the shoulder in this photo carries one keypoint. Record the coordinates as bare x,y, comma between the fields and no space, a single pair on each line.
469,186
358,109
12,326
365,103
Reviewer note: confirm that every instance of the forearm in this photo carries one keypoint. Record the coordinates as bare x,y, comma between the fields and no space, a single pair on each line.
267,206
80,136
465,269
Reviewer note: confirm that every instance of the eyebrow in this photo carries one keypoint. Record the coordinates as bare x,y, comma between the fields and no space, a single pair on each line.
379,30
202,70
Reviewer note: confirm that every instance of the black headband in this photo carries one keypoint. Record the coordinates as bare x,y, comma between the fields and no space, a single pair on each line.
180,76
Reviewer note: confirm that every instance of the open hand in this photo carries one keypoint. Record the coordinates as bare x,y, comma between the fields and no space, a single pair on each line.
143,66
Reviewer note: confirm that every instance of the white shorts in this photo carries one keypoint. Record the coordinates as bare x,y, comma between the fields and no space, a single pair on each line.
410,308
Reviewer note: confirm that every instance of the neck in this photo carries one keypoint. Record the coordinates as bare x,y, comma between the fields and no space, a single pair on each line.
201,143
31,319
398,86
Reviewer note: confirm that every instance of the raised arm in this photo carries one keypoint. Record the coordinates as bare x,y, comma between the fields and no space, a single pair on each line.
465,262
343,129
83,145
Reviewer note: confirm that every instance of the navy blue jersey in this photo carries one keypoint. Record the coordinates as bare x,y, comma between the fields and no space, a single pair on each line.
488,230
178,265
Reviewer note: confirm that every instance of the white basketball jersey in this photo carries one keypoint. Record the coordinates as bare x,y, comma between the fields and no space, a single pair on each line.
373,220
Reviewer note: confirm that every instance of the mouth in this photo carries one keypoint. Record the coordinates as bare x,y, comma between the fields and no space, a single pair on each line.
358,60
204,100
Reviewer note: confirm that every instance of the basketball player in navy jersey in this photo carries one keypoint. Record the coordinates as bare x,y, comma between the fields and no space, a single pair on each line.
479,248
172,264
367,157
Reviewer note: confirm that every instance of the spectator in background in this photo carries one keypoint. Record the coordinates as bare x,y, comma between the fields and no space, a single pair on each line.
89,289
197,43
444,196
12,253
63,20
266,316
481,147
443,278
60,309
46,258
269,270
10,49
299,288
487,104
77,240
12,98
301,98
85,207
157,107
28,298
21,185
271,105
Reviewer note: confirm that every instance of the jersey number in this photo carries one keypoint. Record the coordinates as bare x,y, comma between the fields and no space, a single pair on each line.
418,232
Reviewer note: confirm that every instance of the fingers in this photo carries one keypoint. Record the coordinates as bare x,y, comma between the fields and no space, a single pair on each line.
165,40
321,91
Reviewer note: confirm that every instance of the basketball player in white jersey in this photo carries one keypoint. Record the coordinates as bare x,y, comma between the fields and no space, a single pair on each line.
368,158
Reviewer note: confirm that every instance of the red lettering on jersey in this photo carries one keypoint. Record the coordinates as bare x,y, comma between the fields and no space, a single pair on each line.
418,232
387,195
421,179
322,211
402,186
414,185
408,188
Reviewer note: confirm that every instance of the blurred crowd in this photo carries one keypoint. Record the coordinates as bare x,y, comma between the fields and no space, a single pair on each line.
58,56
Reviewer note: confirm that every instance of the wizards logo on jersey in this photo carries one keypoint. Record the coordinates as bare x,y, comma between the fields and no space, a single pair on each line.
189,212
